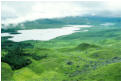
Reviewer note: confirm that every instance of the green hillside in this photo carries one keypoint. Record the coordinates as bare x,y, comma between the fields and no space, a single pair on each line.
82,56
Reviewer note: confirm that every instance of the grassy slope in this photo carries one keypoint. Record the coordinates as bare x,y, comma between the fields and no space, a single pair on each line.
82,56
72,64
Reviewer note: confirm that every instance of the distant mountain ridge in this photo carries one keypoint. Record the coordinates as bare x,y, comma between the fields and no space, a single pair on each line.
59,22
75,20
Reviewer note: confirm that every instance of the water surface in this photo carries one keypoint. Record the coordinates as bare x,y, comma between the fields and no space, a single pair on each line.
45,34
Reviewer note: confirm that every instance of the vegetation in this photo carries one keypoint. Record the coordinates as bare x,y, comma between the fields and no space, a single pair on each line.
83,56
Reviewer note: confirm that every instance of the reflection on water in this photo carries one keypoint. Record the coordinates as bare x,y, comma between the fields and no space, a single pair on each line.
44,34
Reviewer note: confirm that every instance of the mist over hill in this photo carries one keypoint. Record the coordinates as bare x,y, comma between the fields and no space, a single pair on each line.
59,22
17,12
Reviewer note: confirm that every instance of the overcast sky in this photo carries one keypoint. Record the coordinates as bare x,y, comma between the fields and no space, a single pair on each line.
15,12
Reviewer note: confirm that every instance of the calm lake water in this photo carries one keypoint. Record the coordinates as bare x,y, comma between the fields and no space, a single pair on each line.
45,34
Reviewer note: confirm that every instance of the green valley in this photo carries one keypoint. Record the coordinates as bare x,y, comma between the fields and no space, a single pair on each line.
94,55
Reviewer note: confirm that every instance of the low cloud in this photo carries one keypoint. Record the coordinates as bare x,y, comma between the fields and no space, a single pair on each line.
16,12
